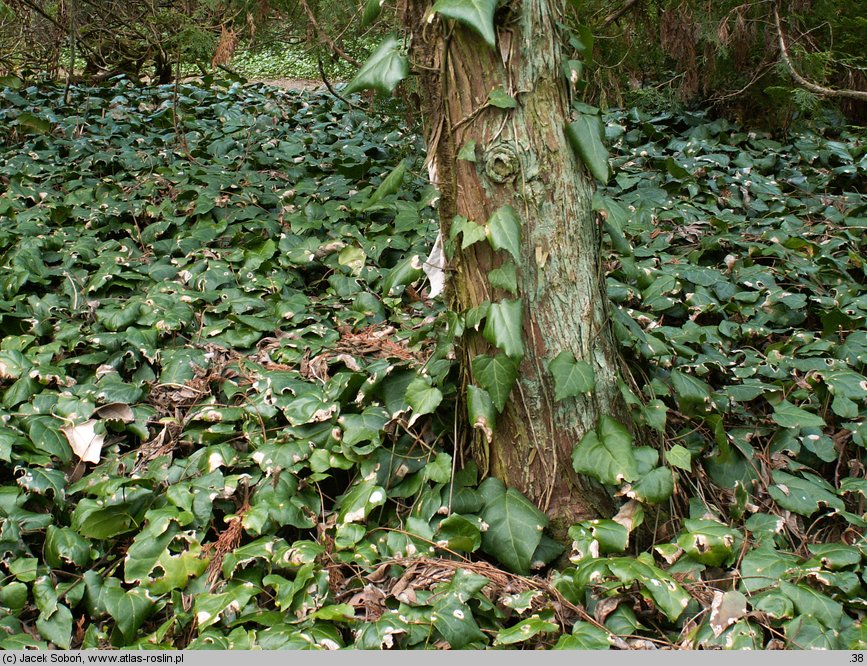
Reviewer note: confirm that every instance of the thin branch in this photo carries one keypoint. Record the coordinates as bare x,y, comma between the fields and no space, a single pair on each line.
331,88
800,80
334,47
760,72
613,16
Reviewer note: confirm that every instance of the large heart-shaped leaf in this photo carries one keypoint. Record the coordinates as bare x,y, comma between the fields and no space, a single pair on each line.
708,541
129,608
503,327
514,526
813,603
802,495
764,567
654,487
384,69
571,377
606,454
476,14
504,231
496,375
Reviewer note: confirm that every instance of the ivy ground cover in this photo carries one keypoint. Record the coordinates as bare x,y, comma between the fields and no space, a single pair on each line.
228,406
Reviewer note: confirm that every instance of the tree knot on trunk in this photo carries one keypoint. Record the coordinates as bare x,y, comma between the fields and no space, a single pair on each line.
502,163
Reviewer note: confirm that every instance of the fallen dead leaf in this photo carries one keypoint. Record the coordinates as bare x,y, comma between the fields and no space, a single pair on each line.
86,443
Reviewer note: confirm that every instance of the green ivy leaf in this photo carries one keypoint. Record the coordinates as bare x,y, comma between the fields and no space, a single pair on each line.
359,501
654,487
835,556
475,14
764,567
406,272
177,570
505,277
468,151
813,603
45,433
364,427
471,232
612,537
455,622
802,495
503,327
775,604
14,595
678,456
56,626
584,636
790,416
44,481
606,454
384,69
209,607
693,395
371,12
525,630
459,534
514,526
481,411
24,568
571,377
504,231
501,99
586,136
666,592
422,397
390,184
708,541
655,414
129,608
807,633
35,123
144,553
64,545
438,470
13,364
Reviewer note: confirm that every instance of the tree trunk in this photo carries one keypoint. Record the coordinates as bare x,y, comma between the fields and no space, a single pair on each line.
523,159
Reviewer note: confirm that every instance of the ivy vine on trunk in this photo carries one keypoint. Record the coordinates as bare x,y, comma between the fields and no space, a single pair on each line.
522,240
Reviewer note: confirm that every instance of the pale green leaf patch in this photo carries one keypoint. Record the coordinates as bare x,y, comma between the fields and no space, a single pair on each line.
504,327
571,377
496,375
504,231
